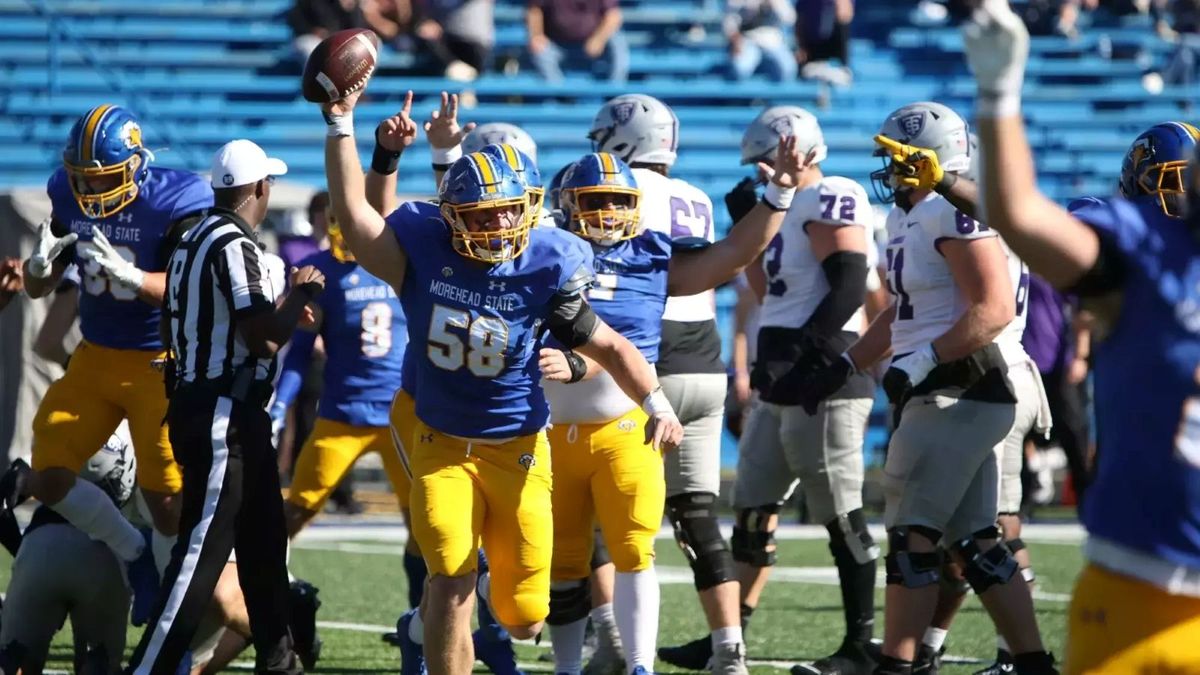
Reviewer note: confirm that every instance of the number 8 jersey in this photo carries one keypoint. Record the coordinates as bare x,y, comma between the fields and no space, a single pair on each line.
928,301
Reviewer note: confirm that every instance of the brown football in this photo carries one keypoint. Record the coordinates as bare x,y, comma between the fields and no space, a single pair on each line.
340,65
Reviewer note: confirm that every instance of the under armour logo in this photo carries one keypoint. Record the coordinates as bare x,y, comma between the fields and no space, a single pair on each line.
913,124
446,271
527,460
497,286
426,438
124,217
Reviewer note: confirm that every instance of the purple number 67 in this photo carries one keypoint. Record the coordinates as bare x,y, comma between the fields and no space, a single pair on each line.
694,213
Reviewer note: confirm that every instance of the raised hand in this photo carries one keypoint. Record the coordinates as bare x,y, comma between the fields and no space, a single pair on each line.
115,267
343,106
309,279
788,163
398,132
47,250
920,168
997,46
442,129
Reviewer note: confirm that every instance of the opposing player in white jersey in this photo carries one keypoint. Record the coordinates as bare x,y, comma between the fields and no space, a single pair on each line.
644,132
920,169
959,381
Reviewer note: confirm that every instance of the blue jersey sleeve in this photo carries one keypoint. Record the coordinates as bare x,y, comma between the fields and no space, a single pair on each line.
295,365
1118,221
192,195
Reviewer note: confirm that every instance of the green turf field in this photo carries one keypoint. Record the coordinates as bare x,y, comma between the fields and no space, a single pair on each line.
363,589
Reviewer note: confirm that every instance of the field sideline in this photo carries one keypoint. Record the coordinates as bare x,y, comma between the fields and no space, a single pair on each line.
356,564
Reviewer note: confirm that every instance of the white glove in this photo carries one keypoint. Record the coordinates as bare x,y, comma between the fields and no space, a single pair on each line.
997,48
117,268
917,365
48,248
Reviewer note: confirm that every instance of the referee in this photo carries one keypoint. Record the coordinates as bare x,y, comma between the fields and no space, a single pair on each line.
225,328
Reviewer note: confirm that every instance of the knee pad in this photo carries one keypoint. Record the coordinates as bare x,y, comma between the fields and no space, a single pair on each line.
752,542
694,518
908,568
1016,546
600,554
984,569
848,532
570,601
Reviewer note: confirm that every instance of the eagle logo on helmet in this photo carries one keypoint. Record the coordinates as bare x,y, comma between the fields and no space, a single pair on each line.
527,460
1141,151
131,135
913,124
623,112
782,126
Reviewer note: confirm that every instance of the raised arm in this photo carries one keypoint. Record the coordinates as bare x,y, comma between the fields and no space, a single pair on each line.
392,137
445,136
1050,240
696,271
924,172
366,233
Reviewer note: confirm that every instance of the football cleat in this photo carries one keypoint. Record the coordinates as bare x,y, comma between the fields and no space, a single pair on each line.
497,655
729,660
928,662
853,657
144,582
303,604
1004,664
691,656
412,655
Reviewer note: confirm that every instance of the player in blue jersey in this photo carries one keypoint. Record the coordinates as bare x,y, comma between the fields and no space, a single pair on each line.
479,284
1135,260
602,472
117,217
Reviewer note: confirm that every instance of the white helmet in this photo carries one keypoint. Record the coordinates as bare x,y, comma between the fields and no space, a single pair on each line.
638,129
495,133
925,125
113,469
762,136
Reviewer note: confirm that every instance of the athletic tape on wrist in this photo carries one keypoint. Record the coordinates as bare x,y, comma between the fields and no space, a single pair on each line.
339,125
996,105
656,402
446,156
778,197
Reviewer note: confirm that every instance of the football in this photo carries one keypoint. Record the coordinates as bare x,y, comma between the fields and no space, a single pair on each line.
340,65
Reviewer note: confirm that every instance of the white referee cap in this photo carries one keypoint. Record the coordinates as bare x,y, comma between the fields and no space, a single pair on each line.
242,162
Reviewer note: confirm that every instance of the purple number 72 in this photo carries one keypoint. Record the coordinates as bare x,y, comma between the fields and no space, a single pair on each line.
846,212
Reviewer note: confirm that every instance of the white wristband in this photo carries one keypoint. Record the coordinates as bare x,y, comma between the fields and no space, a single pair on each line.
339,125
656,402
994,106
778,196
446,155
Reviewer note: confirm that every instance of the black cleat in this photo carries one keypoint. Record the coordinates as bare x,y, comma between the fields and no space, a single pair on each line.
928,661
854,657
304,604
691,656
1003,665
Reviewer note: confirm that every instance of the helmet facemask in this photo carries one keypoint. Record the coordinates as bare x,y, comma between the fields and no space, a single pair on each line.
492,245
104,201
603,214
1167,181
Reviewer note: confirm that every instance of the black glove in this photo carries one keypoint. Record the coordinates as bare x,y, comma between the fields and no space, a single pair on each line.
13,484
741,199
898,388
824,383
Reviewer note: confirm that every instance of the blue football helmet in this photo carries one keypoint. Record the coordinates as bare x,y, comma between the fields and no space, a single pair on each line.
526,170
554,191
476,182
600,199
1155,165
105,148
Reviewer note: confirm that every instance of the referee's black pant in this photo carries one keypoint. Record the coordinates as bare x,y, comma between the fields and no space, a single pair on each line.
231,500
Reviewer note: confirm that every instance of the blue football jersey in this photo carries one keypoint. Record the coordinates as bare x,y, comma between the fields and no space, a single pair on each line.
1146,494
365,333
110,315
630,289
476,372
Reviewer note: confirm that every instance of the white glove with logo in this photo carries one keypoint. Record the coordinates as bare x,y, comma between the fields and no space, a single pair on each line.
48,248
117,268
997,45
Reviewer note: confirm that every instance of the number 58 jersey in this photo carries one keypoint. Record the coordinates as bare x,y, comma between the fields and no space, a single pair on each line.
474,326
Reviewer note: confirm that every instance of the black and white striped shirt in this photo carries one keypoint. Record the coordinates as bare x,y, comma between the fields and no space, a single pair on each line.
217,276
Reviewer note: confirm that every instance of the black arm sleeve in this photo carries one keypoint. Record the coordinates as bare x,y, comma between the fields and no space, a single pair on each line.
572,321
1105,276
175,234
846,273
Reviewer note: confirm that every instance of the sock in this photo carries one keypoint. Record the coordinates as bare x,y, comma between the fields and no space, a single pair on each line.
415,570
934,638
602,615
567,642
88,508
746,612
605,624
161,544
416,628
729,635
636,598
1002,644
857,582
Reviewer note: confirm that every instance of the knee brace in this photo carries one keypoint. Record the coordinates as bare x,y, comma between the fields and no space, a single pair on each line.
752,542
908,568
570,601
600,554
1016,546
848,532
694,517
984,569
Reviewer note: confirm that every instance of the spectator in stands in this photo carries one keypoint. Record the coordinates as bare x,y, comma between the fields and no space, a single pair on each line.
392,20
569,29
1058,341
755,30
11,280
823,34
314,20
460,34
1183,67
